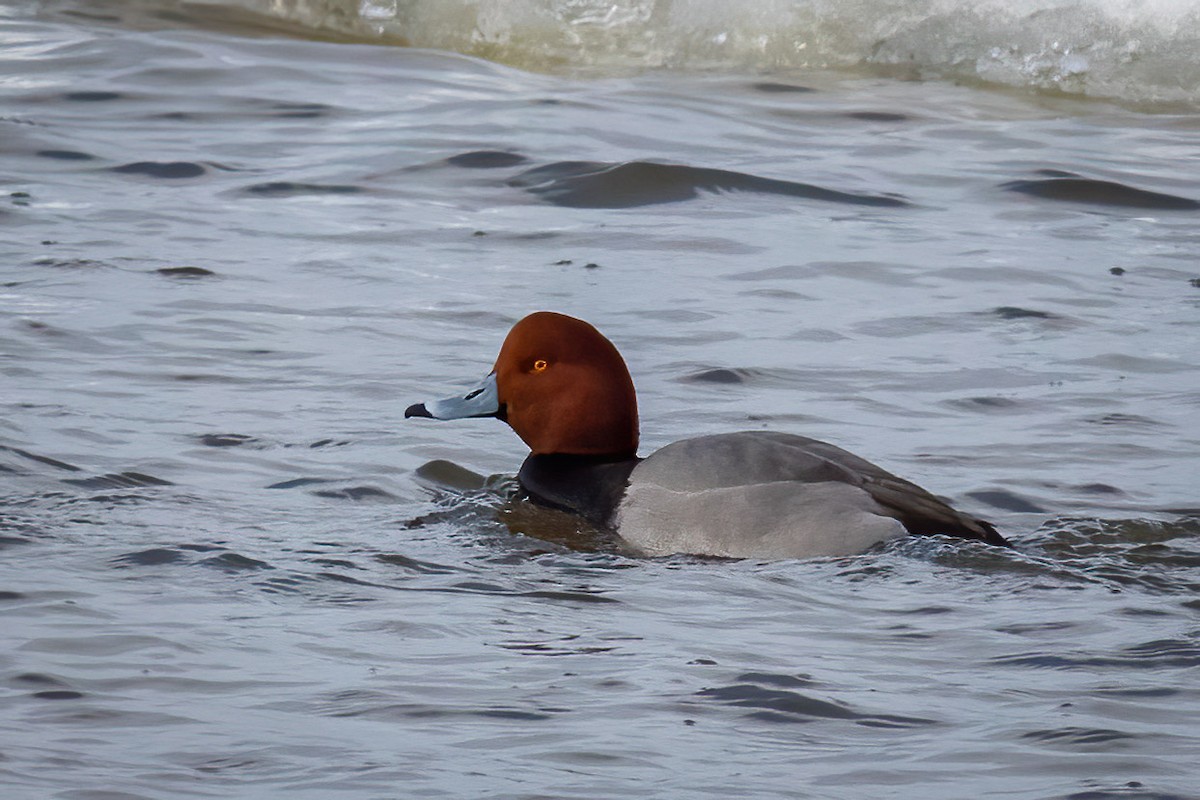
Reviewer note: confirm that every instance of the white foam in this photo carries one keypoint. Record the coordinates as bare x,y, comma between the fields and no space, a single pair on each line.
1135,50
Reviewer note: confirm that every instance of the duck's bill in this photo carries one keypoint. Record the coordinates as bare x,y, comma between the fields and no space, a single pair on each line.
482,400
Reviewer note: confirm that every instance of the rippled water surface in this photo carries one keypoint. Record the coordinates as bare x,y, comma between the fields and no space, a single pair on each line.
230,568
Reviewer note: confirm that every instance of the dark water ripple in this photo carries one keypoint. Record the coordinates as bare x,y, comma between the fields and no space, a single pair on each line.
415,565
486,159
119,481
1081,738
1150,555
92,96
235,562
185,272
774,704
722,375
65,155
1134,790
278,189
171,170
1068,187
1152,656
773,87
592,184
1157,558
383,706
154,557
53,462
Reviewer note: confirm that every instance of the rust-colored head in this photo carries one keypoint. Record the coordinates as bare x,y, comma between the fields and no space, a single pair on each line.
564,388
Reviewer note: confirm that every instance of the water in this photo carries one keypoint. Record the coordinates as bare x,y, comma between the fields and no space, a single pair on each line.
239,242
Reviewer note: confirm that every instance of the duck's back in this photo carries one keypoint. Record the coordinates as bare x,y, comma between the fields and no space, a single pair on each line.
760,494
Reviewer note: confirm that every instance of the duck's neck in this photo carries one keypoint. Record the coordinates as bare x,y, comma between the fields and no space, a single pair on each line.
590,486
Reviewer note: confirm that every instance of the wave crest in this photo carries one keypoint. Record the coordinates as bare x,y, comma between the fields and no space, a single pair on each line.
1131,50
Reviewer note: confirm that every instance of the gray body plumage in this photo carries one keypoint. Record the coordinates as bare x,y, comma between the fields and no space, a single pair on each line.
758,494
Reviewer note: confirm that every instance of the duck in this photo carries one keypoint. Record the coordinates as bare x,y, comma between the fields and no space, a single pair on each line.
566,391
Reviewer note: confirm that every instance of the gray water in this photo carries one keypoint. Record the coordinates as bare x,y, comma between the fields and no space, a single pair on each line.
230,568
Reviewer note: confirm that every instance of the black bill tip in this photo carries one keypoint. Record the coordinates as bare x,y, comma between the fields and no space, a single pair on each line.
417,410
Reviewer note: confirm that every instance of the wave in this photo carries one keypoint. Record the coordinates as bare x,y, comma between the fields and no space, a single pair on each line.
1144,51
591,184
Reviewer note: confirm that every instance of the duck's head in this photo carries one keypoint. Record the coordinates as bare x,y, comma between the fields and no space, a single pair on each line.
560,384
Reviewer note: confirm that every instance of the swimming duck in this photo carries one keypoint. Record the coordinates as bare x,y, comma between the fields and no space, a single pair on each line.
565,390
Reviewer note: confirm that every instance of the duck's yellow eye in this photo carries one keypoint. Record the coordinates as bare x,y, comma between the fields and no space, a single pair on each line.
540,365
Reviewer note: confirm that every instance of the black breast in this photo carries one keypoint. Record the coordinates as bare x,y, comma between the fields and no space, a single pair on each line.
590,486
